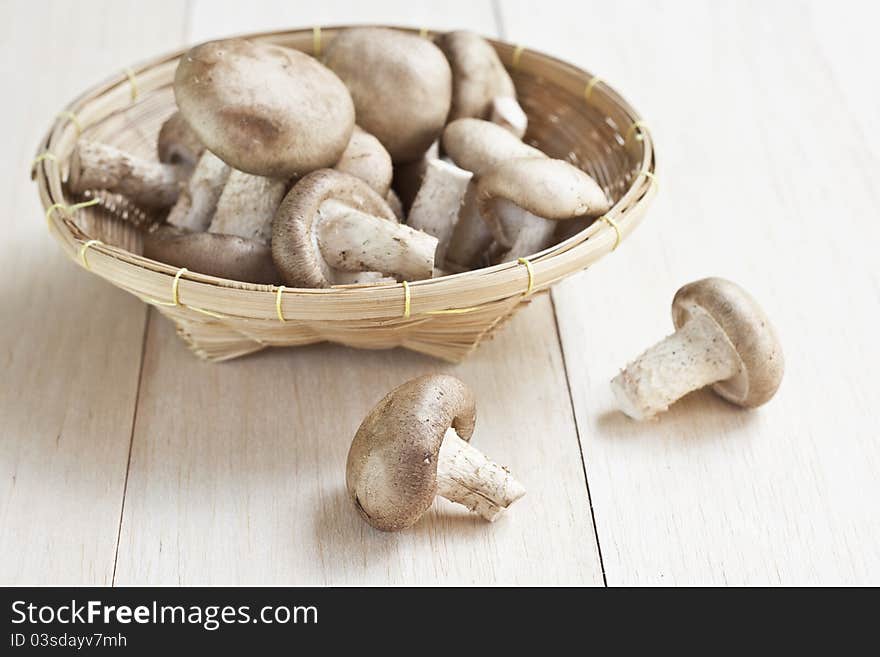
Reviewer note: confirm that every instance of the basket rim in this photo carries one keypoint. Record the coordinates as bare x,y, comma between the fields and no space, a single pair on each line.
391,300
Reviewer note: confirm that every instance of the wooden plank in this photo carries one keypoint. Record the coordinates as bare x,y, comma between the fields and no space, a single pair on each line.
237,470
71,344
764,180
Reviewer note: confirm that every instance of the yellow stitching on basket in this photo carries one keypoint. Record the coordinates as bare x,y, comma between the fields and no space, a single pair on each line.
175,286
608,220
638,125
452,311
588,90
407,300
69,209
82,252
72,118
316,41
424,32
278,310
209,313
652,177
132,80
48,155
514,60
531,285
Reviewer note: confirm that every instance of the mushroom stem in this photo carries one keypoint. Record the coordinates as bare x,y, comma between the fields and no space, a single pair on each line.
507,113
471,238
247,206
360,278
696,355
352,240
466,476
525,233
438,202
147,183
198,199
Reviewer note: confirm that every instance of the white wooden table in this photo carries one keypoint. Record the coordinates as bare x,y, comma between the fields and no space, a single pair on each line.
125,460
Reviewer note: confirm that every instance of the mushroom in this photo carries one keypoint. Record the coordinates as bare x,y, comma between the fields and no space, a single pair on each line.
722,339
366,158
507,113
396,205
224,256
147,183
521,199
361,278
198,198
478,145
481,86
401,85
178,143
413,446
438,202
408,177
471,238
247,206
264,109
331,220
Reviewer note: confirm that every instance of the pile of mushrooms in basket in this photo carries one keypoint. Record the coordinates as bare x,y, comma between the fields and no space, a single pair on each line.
278,169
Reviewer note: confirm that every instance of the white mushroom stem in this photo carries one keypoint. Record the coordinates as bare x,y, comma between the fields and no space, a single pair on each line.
438,202
507,113
352,240
530,233
696,355
198,199
247,206
466,476
147,183
360,278
471,237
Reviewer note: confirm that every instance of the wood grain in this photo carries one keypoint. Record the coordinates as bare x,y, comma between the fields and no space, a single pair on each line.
765,180
237,470
71,345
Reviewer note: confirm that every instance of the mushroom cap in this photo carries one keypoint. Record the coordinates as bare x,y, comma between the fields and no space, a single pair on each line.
478,76
214,254
366,158
391,472
264,109
550,189
295,247
178,143
747,328
478,145
401,85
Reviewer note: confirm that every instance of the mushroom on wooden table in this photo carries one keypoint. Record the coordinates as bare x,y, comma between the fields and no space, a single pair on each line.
723,338
414,446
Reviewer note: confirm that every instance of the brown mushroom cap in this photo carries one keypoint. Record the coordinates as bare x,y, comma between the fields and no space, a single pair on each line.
178,143
391,472
367,159
401,85
214,254
264,109
478,145
747,328
294,245
478,76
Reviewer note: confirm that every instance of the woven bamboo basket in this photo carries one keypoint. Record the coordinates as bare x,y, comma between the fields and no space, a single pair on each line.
573,115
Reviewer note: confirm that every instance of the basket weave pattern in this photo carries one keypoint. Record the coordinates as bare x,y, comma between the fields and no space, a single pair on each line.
572,116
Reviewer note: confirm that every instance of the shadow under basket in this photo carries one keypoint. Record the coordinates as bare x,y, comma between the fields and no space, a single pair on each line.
572,116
